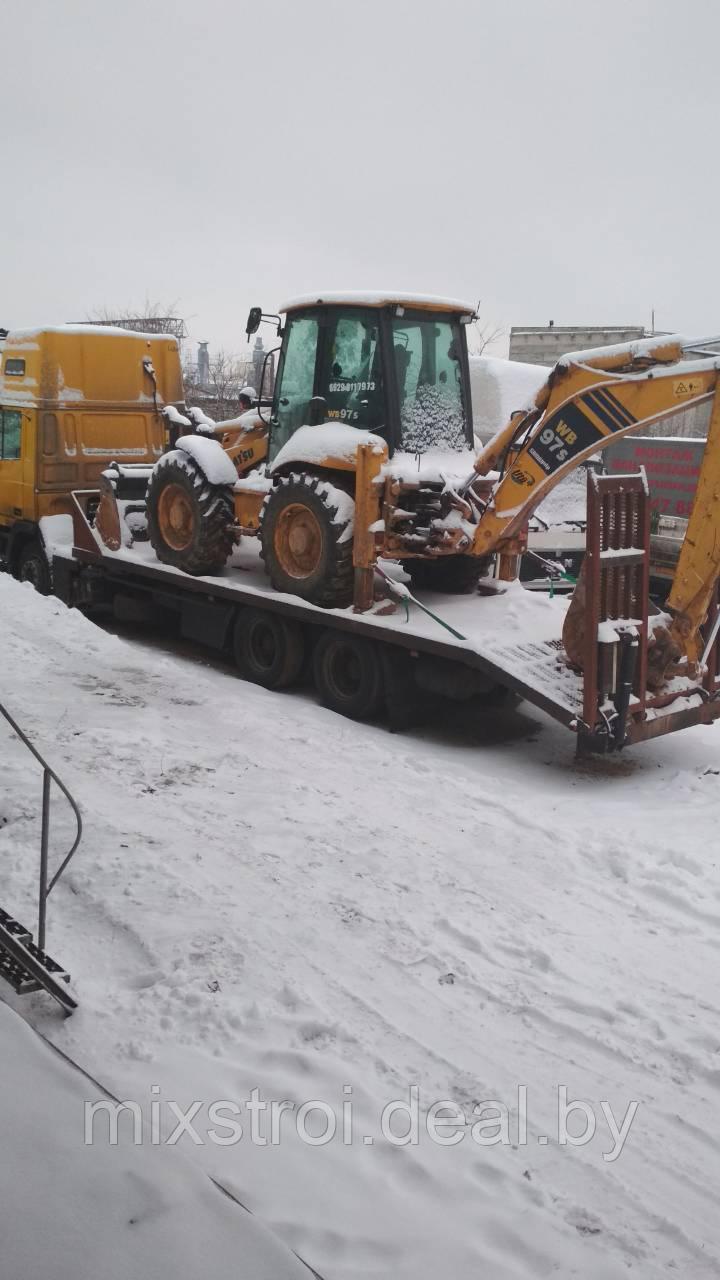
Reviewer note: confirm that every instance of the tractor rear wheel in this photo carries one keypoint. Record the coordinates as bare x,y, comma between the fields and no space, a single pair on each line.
269,649
189,519
450,574
348,674
306,540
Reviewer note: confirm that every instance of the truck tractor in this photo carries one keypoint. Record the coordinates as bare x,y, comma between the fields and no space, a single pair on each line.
72,400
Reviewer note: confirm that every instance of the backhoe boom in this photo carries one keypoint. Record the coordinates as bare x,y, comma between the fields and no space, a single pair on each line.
587,405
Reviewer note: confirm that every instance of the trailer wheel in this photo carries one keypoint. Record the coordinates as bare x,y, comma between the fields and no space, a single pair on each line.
450,574
189,519
33,567
304,549
269,650
348,674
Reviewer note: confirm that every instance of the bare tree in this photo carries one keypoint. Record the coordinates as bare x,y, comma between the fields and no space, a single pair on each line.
226,382
219,397
482,334
152,317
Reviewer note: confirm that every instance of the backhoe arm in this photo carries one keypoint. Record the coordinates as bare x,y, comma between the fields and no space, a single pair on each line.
583,408
698,565
588,404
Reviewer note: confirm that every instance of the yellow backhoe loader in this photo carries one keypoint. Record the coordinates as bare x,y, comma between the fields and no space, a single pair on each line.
368,453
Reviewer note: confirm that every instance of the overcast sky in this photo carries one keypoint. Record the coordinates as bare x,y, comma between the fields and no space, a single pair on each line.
556,160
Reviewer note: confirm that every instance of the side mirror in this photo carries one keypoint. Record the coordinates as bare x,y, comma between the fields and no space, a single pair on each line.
253,321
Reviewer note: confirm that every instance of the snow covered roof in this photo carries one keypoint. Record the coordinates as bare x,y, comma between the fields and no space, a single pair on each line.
499,387
383,298
26,335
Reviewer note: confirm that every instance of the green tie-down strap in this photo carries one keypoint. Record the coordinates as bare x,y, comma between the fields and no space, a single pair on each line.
554,572
401,592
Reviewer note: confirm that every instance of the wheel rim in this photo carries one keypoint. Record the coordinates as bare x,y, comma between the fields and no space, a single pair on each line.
298,541
345,671
263,649
176,517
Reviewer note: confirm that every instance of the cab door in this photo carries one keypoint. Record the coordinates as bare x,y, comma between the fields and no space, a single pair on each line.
295,385
13,425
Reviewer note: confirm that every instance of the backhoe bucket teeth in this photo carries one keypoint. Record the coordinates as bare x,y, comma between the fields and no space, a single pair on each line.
121,518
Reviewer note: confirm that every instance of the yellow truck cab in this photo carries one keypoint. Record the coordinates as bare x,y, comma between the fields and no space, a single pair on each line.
72,400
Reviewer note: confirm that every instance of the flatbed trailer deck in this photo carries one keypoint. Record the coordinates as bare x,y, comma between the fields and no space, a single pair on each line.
529,665
503,638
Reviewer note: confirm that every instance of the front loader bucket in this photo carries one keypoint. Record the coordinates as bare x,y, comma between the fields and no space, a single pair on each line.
121,518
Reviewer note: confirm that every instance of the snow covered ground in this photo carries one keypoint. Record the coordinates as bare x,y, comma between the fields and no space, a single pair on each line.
271,898
71,1210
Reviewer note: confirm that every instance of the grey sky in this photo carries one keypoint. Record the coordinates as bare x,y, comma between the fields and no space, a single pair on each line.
556,160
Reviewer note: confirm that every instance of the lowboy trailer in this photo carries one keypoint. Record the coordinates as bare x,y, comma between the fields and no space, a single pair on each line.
386,658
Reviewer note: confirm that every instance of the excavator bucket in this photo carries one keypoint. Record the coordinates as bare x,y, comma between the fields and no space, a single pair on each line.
121,518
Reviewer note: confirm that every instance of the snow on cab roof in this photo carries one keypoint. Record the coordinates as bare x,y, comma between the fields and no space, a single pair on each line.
383,298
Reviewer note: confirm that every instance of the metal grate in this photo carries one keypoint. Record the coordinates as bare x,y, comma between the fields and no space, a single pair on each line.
617,568
28,968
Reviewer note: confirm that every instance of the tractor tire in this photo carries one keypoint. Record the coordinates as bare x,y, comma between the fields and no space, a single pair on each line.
189,519
348,674
268,649
449,574
303,549
33,567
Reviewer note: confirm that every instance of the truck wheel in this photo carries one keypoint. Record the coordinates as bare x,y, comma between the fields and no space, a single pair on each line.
450,574
33,567
348,674
269,650
189,519
304,543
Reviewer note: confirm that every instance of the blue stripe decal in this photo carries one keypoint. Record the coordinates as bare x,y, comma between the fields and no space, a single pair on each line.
600,412
613,405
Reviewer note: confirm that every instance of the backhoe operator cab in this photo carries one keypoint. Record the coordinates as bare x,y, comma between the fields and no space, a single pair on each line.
396,367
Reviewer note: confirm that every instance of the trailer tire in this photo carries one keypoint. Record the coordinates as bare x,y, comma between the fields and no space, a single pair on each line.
189,519
268,649
449,574
33,566
348,674
303,549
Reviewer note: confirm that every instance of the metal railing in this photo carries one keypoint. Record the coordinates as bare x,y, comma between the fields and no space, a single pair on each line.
49,776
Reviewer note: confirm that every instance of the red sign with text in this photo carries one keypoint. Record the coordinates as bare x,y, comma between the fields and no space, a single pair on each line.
672,467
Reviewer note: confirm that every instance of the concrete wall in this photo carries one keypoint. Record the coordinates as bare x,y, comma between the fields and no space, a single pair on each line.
544,344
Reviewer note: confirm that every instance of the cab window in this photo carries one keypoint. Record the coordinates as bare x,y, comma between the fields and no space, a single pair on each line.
351,371
10,434
429,377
